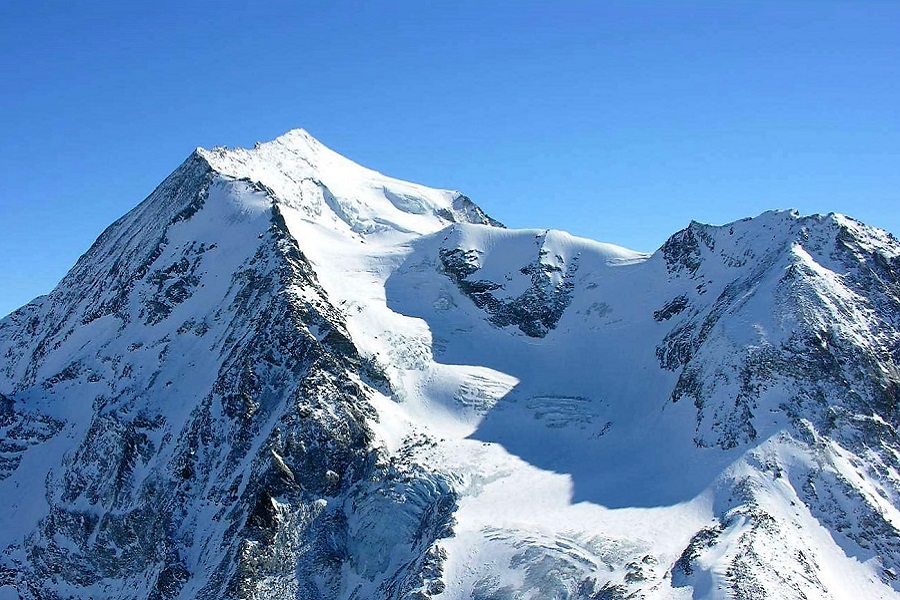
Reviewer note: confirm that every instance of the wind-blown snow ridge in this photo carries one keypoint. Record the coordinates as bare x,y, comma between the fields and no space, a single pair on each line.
284,375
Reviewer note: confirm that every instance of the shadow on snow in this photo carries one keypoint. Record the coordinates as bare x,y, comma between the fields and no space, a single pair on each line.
588,403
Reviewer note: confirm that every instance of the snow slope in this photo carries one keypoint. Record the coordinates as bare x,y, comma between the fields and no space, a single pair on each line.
341,385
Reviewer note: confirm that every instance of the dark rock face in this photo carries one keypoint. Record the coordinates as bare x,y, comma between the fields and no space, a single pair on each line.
173,285
466,211
20,430
672,308
535,311
684,250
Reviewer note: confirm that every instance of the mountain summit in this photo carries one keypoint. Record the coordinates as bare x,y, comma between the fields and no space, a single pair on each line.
284,375
303,174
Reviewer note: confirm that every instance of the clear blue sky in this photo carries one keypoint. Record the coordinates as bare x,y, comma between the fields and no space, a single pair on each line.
619,121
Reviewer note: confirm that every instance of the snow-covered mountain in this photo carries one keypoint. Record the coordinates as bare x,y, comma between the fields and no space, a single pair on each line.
284,375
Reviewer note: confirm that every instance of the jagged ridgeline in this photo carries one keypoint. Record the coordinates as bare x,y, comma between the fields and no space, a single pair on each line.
284,375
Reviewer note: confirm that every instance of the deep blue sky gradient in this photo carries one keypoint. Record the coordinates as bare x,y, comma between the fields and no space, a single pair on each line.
620,121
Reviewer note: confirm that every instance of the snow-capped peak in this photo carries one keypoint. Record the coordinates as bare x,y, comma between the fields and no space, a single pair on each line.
304,174
295,149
